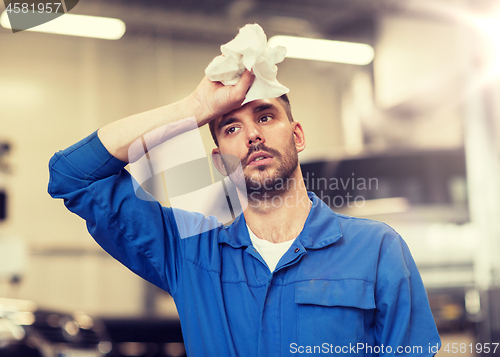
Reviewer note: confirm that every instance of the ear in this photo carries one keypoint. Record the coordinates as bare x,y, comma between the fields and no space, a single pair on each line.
217,159
298,136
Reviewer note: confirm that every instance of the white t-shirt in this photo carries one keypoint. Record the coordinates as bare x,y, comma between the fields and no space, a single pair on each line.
270,252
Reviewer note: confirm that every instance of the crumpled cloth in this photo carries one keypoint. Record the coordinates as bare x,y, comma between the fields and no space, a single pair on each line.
249,50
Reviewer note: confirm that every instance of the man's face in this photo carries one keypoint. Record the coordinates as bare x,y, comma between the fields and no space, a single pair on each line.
266,143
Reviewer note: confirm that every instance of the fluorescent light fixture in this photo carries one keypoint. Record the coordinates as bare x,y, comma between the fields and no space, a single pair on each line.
489,28
78,25
324,50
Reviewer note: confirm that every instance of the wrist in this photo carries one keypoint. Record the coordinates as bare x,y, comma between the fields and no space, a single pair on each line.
197,109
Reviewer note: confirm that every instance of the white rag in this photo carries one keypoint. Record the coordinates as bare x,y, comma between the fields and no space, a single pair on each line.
249,50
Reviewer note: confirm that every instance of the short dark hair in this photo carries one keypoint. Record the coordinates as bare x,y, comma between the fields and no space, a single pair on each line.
285,102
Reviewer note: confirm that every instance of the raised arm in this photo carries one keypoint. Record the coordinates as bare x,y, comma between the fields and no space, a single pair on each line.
89,177
209,101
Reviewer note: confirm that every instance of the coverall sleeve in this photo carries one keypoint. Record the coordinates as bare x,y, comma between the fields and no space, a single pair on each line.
140,234
403,317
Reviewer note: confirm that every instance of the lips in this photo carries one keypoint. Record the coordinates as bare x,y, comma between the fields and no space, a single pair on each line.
259,158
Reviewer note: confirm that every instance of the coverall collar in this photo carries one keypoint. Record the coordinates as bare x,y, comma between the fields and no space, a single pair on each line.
321,228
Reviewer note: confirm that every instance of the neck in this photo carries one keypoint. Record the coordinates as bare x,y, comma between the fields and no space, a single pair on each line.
279,216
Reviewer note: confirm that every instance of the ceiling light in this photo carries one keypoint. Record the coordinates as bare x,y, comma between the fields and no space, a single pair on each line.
324,50
489,28
78,25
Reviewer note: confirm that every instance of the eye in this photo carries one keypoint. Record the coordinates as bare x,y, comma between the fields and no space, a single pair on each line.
265,119
231,130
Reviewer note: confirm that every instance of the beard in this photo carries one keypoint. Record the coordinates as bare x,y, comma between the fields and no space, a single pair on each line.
261,181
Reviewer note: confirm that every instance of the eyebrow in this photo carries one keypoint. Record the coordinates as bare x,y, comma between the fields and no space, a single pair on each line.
263,107
229,120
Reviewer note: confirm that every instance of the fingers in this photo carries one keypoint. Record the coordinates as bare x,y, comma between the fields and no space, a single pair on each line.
244,84
214,98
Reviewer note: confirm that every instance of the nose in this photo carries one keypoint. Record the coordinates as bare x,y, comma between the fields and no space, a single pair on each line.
254,135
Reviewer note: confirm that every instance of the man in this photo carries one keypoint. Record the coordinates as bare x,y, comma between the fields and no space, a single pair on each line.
288,276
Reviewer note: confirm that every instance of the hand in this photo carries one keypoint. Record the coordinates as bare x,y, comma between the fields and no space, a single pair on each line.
213,99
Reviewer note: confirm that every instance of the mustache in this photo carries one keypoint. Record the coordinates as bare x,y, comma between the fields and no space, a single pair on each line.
261,147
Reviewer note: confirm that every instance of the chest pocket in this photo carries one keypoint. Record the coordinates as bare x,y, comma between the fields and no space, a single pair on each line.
336,312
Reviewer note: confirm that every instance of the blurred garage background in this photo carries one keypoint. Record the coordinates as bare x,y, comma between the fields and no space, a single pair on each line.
419,125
